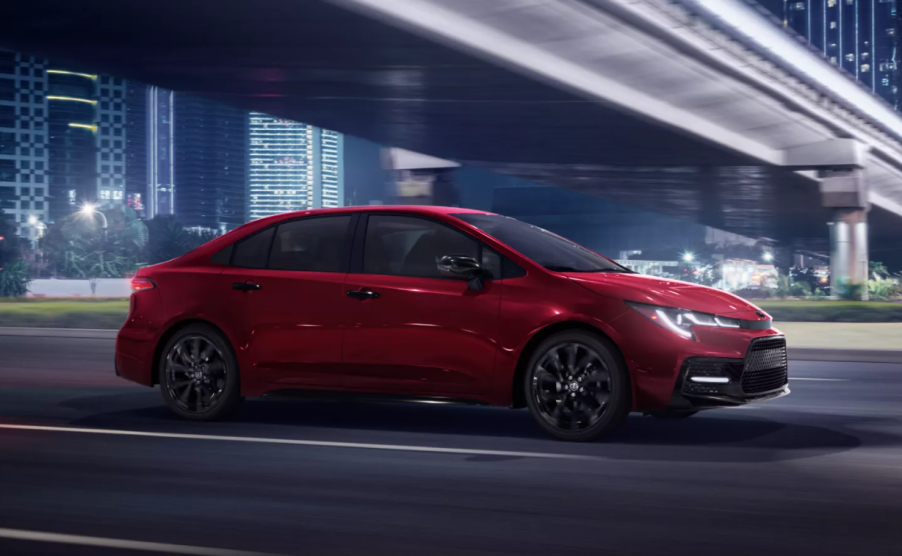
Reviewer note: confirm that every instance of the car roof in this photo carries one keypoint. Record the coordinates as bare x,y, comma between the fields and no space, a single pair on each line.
260,223
425,210
413,209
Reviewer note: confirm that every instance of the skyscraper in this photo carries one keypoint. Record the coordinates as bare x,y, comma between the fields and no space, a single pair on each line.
282,161
211,163
332,168
136,147
861,36
150,139
23,140
61,139
109,140
293,166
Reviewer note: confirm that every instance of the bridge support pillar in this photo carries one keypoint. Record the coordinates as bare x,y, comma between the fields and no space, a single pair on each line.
845,192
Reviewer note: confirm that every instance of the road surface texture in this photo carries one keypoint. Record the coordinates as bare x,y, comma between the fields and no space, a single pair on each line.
818,472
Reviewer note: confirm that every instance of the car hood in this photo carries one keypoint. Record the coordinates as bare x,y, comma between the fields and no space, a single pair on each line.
660,291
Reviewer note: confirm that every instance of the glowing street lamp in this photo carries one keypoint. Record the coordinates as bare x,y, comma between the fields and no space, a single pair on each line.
89,210
688,257
768,256
37,223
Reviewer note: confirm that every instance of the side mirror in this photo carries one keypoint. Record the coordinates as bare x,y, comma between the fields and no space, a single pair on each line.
462,268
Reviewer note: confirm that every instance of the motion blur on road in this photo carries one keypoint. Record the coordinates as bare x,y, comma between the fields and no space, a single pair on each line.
813,473
753,146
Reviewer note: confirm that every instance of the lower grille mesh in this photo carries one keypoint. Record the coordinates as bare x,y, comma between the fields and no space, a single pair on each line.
765,366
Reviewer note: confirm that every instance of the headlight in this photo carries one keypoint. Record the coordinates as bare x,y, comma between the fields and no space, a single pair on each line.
681,321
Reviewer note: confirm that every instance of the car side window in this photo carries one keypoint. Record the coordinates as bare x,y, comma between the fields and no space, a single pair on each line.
252,252
409,246
310,244
223,256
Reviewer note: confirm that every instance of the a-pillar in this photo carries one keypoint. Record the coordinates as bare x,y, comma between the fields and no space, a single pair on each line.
845,192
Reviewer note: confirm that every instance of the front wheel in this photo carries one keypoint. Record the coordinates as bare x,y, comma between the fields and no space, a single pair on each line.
577,387
199,374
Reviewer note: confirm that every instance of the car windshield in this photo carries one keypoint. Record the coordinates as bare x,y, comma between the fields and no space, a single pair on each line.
543,247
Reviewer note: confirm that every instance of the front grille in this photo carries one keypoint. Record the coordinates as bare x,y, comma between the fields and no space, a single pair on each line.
765,366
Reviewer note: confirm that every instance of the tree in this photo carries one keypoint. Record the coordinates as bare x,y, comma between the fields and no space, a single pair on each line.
168,239
77,247
198,237
878,270
14,270
808,275
10,244
14,279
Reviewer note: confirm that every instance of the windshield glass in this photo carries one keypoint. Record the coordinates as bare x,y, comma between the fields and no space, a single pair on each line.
543,247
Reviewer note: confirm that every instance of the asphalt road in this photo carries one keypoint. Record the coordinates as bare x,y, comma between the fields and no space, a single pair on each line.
818,472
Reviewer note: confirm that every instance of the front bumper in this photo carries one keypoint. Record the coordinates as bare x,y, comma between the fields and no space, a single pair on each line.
709,382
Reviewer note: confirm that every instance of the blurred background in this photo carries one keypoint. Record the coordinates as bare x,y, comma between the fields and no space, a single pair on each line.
755,148
752,146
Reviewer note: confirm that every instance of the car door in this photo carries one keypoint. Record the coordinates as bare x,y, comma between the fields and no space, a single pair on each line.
409,327
285,287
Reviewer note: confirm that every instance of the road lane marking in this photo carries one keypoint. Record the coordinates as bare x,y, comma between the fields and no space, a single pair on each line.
319,443
821,379
58,538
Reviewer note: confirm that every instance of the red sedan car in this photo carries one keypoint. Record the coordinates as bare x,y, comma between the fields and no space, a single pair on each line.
441,303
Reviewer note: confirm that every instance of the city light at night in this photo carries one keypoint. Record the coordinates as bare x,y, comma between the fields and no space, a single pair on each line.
443,277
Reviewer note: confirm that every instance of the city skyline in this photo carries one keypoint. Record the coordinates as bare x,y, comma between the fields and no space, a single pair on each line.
293,166
70,136
860,36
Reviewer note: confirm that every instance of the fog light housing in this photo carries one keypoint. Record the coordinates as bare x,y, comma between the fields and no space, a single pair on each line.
707,375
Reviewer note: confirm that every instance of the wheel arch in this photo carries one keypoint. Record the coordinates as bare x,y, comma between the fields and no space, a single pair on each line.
169,333
518,399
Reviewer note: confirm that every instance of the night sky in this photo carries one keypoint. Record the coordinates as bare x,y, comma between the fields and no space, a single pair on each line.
774,6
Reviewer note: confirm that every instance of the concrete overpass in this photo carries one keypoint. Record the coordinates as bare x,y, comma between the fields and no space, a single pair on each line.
697,108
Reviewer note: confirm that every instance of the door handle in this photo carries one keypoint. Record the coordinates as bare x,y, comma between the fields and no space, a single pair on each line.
363,295
246,286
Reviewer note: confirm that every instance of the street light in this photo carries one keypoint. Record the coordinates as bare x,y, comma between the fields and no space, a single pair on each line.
768,256
37,223
688,257
90,210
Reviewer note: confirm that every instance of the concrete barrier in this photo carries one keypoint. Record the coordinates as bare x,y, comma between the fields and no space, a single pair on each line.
106,287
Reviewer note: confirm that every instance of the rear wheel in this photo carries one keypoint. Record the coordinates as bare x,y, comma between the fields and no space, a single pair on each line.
199,374
577,387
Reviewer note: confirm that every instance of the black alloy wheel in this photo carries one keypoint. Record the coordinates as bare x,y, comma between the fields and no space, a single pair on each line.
577,388
199,374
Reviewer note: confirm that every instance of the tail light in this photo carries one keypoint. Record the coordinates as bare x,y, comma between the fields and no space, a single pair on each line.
139,284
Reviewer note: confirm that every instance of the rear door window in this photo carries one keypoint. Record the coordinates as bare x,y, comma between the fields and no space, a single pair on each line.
310,244
253,251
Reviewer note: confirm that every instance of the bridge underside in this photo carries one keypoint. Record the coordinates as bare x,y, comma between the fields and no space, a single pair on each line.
315,62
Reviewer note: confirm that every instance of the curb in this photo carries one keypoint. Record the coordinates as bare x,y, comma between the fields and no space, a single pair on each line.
795,354
92,333
845,355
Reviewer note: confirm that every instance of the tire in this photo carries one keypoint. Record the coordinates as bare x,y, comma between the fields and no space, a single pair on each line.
672,414
582,397
199,375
